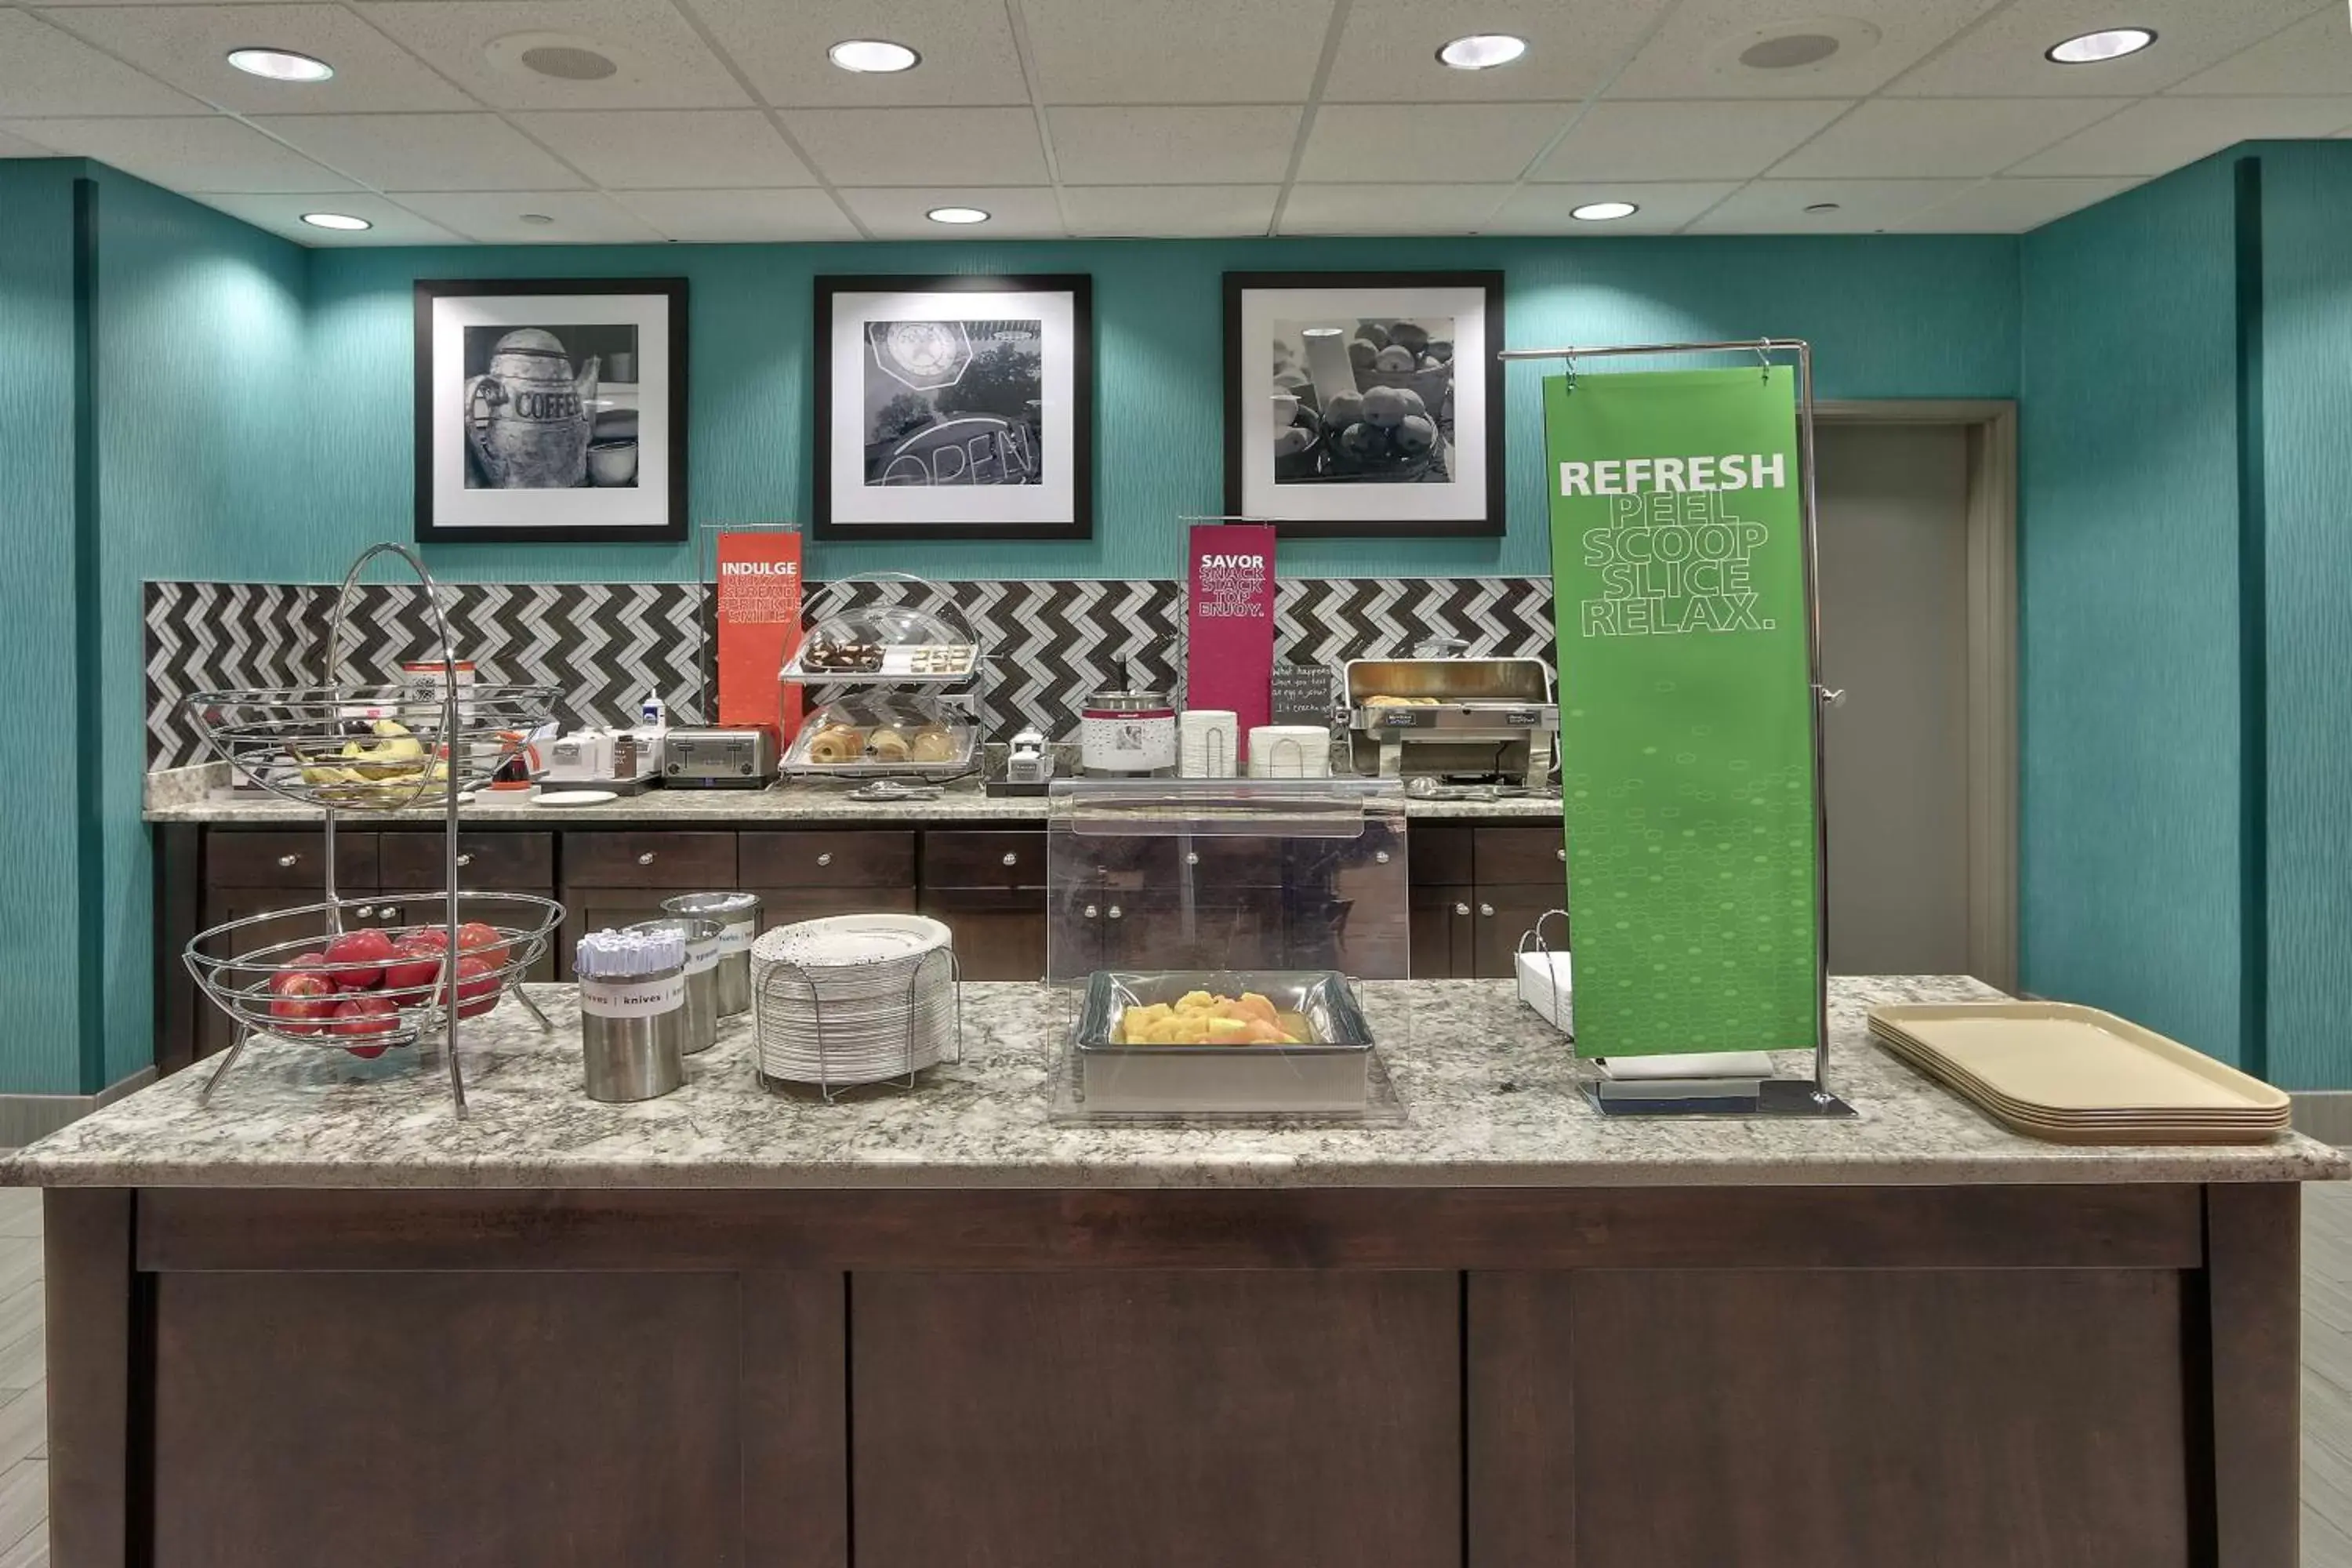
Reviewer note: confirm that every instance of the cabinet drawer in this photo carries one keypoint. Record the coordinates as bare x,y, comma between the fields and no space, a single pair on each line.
962,860
295,859
877,859
1521,855
1000,933
506,862
675,862
1439,855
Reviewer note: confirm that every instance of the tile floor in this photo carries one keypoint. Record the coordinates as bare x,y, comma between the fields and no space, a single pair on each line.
2326,1380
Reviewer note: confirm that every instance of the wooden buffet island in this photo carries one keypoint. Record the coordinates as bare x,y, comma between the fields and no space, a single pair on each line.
324,1321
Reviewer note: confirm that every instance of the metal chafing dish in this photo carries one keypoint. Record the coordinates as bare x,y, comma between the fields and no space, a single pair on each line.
1490,719
1326,1072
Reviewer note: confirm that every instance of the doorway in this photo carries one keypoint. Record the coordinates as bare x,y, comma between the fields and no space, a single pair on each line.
1916,532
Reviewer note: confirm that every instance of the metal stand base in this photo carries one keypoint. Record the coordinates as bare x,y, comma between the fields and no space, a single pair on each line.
1783,1097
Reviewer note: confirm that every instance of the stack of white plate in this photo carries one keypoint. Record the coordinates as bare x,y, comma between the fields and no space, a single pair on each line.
853,999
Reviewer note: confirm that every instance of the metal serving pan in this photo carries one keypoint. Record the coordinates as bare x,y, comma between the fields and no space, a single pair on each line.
1332,1073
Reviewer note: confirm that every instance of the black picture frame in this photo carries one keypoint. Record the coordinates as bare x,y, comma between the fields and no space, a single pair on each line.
1078,286
1243,382
669,295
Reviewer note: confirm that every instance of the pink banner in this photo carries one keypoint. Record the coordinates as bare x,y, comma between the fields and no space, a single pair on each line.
1229,625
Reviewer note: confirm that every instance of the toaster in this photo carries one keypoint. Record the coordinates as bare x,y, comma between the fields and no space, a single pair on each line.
719,757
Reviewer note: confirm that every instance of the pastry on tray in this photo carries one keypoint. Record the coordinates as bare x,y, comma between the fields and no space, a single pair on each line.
889,744
837,743
931,744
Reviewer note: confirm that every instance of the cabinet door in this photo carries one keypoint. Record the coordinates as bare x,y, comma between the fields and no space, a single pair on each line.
1000,933
505,860
1504,914
1441,917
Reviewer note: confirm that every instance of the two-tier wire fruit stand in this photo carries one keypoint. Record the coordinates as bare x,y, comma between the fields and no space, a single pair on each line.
345,747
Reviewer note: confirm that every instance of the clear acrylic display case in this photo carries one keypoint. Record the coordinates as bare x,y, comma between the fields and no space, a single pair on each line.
1293,890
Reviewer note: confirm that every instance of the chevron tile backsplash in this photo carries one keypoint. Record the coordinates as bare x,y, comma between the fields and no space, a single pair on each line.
604,645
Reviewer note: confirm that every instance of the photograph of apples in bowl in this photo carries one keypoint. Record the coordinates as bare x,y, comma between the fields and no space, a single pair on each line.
367,988
1362,401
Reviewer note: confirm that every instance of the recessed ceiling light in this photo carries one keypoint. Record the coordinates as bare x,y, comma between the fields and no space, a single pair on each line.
1790,50
1821,207
568,62
1482,51
2108,43
957,214
876,54
1602,212
335,220
280,65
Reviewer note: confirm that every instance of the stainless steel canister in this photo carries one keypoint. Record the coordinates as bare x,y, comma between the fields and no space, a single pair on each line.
738,917
700,1027
632,1015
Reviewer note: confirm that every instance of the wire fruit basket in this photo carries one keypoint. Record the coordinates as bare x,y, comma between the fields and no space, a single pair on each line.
340,747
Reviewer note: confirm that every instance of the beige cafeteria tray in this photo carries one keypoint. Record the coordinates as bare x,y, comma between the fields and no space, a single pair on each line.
2084,1130
1909,1050
2062,1060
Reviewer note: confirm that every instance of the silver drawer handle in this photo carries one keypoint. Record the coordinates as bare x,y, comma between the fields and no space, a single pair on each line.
1193,858
288,862
647,858
826,858
1091,911
1486,911
1461,908
1010,859
1114,911
466,859
1381,856
364,913
1561,854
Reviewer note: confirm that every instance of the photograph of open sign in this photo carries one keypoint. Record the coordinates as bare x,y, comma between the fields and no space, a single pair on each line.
954,407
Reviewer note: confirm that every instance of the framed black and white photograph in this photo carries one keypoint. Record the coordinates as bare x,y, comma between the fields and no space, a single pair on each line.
956,407
1365,403
550,409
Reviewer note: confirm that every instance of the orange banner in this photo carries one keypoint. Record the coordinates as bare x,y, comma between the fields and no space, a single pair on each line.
758,626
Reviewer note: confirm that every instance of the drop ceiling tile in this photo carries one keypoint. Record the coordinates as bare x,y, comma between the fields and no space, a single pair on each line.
2157,135
582,217
1926,137
920,146
741,218
1173,146
212,152
1390,210
650,149
187,46
1388,52
1864,206
45,71
2313,56
2012,205
662,62
1435,142
425,152
395,225
1696,53
1169,211
1026,213
967,47
2005,57
1665,207
17,147
1674,139
1203,51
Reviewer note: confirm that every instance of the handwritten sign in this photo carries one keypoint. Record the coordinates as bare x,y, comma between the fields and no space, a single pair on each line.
1302,694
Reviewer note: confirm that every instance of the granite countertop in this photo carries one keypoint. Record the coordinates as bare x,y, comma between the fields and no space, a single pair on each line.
789,802
1489,1090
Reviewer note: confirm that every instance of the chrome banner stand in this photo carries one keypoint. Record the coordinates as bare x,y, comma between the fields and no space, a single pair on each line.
1789,1096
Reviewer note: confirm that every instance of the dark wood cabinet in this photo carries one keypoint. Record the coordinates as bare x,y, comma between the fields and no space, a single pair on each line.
960,857
497,861
674,862
1000,933
1441,916
818,858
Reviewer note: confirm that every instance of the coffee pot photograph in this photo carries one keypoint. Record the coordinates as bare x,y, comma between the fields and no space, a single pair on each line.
529,417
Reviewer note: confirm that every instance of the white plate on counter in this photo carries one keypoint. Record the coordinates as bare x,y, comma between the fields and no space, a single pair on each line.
563,797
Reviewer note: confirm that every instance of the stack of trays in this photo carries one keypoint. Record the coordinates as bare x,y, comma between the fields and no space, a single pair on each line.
853,999
2076,1075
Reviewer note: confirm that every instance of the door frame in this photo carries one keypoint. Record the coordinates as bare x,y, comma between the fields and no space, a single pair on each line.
1990,426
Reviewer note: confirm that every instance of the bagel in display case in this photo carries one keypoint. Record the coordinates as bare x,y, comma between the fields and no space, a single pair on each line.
876,735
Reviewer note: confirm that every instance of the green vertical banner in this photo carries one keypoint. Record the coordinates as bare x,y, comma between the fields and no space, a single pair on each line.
1686,709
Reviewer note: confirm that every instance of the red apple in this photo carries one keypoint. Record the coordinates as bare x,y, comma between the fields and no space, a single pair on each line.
355,960
299,1000
414,967
357,1018
484,942
478,985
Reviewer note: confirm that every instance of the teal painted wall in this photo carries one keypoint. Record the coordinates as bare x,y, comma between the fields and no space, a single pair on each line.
39,893
2307,336
1890,317
2129,609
